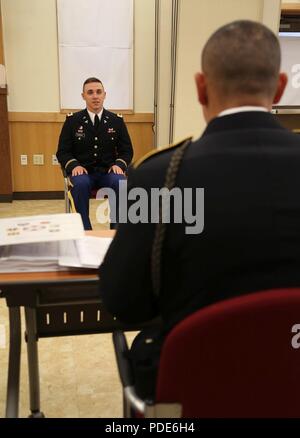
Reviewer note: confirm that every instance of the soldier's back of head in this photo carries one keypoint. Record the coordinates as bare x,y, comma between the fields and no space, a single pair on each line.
242,57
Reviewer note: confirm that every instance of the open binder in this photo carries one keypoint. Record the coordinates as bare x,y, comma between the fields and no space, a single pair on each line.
48,243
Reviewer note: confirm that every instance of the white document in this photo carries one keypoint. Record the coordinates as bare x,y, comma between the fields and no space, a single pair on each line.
68,254
92,250
87,252
45,228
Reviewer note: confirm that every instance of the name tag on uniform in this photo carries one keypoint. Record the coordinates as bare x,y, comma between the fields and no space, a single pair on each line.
79,133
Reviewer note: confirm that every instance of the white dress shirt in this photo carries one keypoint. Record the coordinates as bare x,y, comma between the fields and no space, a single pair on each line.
241,109
92,115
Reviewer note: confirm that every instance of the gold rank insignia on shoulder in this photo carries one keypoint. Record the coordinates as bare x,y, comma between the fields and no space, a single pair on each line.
155,152
120,115
69,114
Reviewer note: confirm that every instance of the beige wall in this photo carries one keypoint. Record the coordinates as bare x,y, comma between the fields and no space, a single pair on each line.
29,34
198,19
144,12
1,42
164,72
30,46
271,14
31,55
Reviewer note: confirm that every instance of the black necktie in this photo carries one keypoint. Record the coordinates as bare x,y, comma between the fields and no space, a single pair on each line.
96,121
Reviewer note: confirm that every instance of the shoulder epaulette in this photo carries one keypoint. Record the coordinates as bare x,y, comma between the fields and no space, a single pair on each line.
120,115
69,114
155,152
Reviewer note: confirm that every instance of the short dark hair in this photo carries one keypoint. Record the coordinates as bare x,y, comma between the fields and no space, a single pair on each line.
243,57
90,80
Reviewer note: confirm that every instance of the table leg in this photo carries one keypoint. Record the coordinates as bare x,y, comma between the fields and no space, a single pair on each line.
14,363
33,362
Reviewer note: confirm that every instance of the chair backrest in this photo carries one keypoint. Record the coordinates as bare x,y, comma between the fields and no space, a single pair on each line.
236,358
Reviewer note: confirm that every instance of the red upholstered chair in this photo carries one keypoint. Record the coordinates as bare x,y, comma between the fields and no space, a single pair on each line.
236,358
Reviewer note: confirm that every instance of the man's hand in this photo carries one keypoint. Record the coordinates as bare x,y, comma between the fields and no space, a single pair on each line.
78,170
116,169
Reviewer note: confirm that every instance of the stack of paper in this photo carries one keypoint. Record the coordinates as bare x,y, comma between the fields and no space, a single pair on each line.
48,243
29,257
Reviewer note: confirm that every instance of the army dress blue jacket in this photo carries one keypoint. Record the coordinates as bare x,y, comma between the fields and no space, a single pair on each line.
96,149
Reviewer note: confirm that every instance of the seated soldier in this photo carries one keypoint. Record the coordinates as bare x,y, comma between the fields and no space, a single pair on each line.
95,149
248,166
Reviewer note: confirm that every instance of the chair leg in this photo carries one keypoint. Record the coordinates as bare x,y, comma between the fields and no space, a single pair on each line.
14,363
67,203
33,363
66,195
127,412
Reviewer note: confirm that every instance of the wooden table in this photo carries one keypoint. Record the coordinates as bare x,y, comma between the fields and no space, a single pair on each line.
58,303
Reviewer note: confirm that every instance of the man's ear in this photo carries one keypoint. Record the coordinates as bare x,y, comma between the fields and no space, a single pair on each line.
201,88
282,81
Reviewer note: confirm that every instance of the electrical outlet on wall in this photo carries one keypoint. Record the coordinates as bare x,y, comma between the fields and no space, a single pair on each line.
38,159
54,160
24,160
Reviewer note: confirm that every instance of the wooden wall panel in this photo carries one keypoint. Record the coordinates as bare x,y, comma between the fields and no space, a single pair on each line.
5,175
142,138
290,121
37,133
290,8
35,138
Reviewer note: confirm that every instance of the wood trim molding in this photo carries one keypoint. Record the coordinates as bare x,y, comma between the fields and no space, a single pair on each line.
24,196
6,198
290,8
43,117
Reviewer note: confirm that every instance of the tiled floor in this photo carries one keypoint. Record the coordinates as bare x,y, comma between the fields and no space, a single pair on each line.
25,208
78,374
